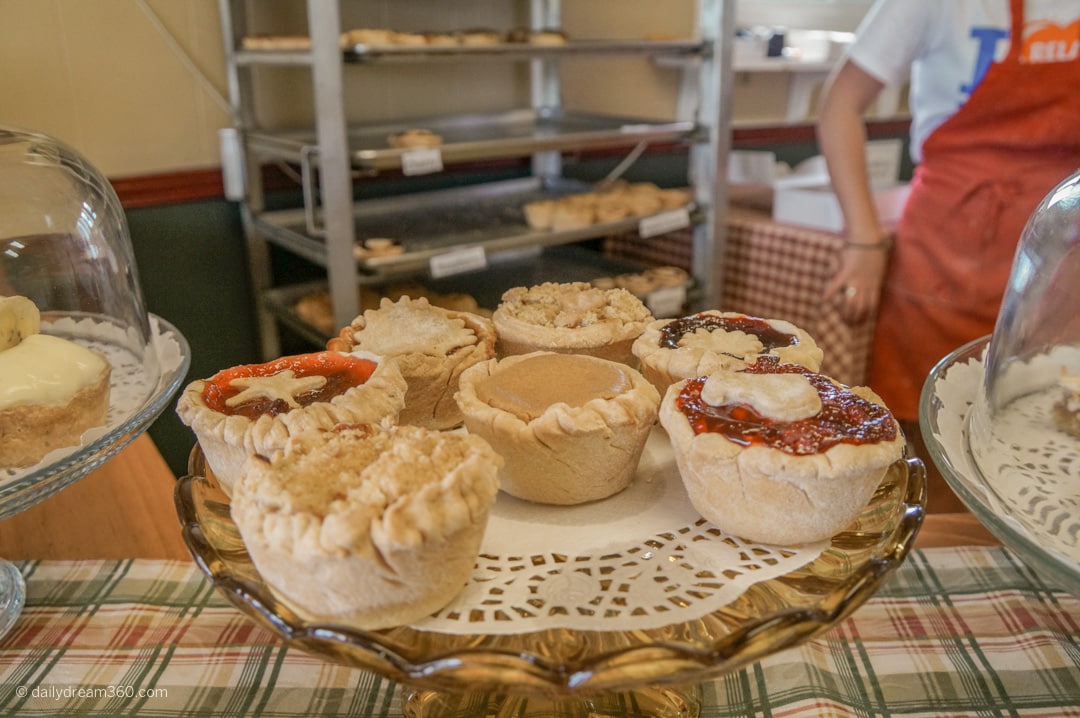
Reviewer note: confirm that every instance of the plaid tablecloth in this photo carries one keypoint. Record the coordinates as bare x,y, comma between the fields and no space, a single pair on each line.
777,271
955,632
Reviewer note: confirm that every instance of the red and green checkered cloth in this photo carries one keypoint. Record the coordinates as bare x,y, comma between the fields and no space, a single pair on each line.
954,632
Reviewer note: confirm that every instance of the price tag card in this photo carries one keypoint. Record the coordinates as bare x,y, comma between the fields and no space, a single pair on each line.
667,301
457,262
421,161
664,222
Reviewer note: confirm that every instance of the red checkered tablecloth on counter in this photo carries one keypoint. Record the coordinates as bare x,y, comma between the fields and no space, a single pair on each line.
776,271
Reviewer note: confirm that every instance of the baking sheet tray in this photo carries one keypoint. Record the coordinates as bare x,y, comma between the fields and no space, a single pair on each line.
432,223
474,137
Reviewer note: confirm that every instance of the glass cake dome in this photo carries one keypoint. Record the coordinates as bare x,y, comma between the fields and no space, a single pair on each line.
64,245
1002,415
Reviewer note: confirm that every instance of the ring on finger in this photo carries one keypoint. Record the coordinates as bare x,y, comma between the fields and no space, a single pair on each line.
850,292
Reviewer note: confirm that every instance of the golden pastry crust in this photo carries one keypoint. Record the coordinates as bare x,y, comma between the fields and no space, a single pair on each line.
571,317
579,443
773,495
414,138
710,346
30,431
373,527
1066,410
432,347
228,440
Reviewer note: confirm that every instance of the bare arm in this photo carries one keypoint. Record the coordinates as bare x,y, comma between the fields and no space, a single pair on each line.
842,136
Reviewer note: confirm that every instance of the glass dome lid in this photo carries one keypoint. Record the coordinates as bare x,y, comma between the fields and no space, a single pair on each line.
1024,424
64,241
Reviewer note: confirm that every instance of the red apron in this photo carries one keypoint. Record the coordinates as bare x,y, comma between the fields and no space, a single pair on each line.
983,172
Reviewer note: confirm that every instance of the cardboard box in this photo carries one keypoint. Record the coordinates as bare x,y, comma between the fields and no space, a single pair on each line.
816,206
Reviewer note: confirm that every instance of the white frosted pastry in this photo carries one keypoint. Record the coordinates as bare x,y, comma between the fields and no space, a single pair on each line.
787,457
432,347
254,409
570,318
710,341
570,427
51,390
367,526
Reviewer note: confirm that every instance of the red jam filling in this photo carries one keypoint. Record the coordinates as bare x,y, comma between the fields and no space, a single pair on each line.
342,373
771,338
844,418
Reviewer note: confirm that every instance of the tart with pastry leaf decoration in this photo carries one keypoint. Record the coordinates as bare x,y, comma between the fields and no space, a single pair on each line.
779,454
699,344
254,409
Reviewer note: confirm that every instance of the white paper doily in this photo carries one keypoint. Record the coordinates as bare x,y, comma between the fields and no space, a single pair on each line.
1028,472
641,559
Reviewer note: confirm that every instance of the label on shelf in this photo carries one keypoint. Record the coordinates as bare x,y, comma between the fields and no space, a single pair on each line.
457,261
666,301
664,222
421,161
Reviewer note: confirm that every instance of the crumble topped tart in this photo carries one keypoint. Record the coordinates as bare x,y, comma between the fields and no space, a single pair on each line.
373,526
570,317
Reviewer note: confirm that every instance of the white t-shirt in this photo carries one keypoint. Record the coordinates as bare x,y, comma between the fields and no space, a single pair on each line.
947,45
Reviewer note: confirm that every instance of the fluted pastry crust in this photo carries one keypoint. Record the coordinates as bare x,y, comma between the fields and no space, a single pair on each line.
432,347
704,352
567,454
227,440
765,494
371,526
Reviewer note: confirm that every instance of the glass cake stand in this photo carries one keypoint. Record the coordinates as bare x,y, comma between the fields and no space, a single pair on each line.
1045,533
648,664
140,390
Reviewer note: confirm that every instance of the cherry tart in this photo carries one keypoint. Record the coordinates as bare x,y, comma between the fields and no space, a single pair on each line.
779,454
253,409
699,344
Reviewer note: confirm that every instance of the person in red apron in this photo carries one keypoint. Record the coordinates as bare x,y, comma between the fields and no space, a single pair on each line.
982,171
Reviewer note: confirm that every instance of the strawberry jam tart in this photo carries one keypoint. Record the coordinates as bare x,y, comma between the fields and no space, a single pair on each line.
710,341
776,453
253,409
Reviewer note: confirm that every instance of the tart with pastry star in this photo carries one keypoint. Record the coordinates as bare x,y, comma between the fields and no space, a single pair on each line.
254,409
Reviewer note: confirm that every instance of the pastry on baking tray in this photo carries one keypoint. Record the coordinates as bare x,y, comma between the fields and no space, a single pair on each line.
776,453
254,409
365,525
51,389
570,317
710,341
432,346
474,37
570,427
414,138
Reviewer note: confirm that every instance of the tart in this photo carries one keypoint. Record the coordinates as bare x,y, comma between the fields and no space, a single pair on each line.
254,409
570,427
409,139
368,526
710,341
571,318
776,453
432,347
51,390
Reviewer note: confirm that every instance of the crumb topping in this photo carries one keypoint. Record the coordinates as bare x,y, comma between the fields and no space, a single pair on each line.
572,305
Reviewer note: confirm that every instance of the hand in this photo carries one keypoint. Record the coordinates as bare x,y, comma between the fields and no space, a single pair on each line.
859,280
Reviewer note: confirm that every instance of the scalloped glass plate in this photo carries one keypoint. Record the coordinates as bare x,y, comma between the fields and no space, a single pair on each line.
136,399
449,673
947,400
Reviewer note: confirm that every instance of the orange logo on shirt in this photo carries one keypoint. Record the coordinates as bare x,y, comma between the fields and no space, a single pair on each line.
1048,42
